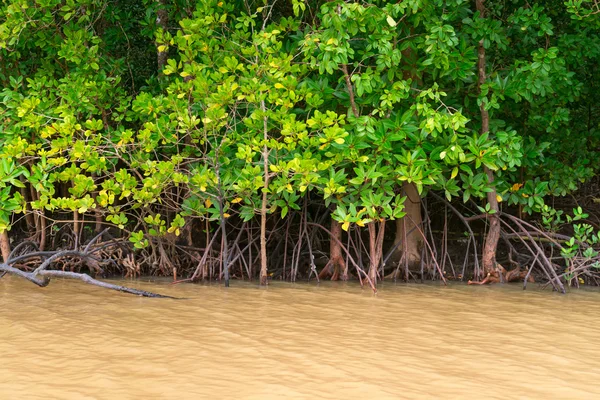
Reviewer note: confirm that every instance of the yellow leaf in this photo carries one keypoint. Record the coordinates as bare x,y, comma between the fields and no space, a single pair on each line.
499,198
346,225
207,203
225,215
331,41
454,173
360,223
339,141
236,200
516,187
390,21
279,86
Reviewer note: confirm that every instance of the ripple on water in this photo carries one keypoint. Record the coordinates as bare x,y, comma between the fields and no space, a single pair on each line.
332,341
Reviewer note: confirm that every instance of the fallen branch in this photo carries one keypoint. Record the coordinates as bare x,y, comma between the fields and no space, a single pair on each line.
41,275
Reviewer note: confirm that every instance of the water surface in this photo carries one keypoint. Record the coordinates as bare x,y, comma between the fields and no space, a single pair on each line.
297,341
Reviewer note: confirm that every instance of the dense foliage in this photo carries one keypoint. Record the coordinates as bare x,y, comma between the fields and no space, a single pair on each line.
169,120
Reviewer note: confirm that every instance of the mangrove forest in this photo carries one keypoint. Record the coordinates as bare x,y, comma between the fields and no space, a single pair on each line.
263,140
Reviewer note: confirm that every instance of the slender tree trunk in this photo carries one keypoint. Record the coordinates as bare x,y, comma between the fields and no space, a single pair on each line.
263,207
42,228
25,192
76,225
97,212
224,244
336,259
491,240
407,227
5,245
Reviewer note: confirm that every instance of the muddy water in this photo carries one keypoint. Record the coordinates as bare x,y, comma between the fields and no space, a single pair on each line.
72,341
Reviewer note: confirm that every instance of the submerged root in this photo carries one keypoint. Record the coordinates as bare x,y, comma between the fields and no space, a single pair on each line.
335,269
500,275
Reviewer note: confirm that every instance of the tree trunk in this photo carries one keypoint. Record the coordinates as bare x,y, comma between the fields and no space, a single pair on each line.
407,227
76,229
491,240
263,208
28,213
42,228
39,220
5,245
375,248
336,262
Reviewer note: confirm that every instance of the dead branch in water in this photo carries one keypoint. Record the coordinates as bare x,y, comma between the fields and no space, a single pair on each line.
41,275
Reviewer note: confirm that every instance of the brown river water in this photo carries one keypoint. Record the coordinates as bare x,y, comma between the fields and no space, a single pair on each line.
297,341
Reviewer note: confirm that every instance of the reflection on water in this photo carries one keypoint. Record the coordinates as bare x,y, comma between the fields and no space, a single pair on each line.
302,341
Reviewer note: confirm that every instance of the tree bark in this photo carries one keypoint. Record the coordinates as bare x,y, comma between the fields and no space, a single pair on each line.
375,248
5,245
336,259
76,225
491,240
411,242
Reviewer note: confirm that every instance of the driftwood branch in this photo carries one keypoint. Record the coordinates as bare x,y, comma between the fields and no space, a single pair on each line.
41,275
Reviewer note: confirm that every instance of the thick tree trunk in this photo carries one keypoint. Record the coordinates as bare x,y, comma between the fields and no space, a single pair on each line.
5,245
491,240
336,264
375,248
407,228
